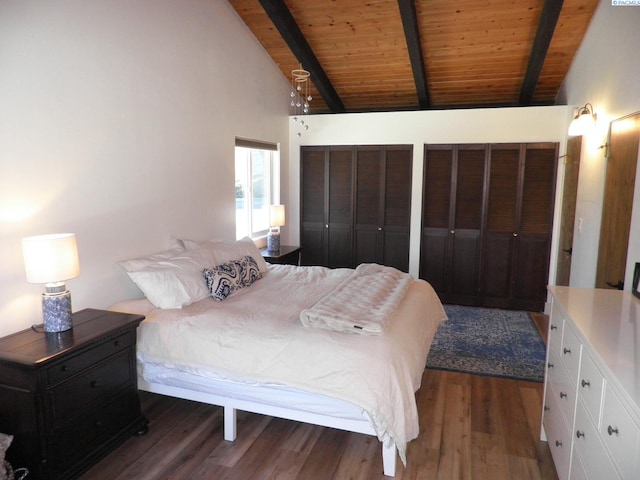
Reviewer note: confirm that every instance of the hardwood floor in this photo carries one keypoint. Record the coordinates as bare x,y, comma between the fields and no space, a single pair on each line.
472,427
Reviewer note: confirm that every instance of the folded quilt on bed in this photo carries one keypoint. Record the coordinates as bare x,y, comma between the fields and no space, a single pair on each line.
362,303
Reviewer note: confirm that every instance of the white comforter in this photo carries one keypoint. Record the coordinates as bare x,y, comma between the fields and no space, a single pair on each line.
256,336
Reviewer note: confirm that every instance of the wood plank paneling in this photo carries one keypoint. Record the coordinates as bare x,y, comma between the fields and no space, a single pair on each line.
475,53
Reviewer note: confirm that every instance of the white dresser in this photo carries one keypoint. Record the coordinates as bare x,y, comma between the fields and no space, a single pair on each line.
591,410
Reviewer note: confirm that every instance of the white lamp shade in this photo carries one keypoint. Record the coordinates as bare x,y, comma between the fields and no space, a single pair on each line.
276,215
51,258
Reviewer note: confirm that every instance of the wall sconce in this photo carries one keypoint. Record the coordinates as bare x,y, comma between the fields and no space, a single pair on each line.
52,259
583,122
276,216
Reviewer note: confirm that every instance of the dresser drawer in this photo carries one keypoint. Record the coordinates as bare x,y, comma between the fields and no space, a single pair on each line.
620,434
570,351
556,322
94,384
558,435
591,387
74,364
554,367
564,391
588,444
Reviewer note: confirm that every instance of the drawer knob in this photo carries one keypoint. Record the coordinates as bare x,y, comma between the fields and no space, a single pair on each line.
550,365
116,343
65,368
563,395
611,430
566,350
585,383
94,384
553,327
579,434
546,409
558,443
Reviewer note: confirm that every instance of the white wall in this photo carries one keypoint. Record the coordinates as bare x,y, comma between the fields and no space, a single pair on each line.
117,123
605,73
496,125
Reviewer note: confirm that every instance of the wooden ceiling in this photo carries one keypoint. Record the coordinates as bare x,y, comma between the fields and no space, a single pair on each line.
386,55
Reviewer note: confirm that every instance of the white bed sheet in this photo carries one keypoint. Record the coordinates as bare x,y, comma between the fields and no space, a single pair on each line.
255,337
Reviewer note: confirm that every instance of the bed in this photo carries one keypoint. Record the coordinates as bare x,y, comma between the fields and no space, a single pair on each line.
258,349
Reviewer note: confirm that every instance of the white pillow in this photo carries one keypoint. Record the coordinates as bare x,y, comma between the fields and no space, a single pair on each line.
175,248
175,282
223,251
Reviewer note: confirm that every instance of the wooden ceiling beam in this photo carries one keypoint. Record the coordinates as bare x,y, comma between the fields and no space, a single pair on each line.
412,34
544,34
292,35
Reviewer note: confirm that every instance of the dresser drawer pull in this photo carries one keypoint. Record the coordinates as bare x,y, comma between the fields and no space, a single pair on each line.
585,383
94,384
546,409
98,424
579,434
611,430
566,350
563,395
553,327
116,343
549,365
558,443
65,368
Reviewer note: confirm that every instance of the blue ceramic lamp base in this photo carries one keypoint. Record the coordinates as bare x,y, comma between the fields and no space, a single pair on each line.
56,310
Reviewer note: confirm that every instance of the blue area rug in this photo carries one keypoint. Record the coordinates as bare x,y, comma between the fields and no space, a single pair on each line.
487,341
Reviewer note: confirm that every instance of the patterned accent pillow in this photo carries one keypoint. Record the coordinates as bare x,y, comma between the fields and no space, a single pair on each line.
227,278
249,270
223,280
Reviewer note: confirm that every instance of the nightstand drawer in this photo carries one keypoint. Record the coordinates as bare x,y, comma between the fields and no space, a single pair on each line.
72,365
94,384
89,429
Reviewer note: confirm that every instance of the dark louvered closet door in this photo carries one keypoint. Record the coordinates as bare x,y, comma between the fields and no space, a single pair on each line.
340,207
369,196
436,214
396,206
501,231
467,224
312,207
536,222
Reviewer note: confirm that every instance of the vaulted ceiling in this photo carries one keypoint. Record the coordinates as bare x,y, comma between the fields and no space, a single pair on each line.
386,55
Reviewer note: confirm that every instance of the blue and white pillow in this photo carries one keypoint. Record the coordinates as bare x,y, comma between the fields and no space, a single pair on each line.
249,270
223,280
227,278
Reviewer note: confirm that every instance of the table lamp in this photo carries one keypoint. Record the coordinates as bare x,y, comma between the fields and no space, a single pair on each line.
52,259
276,219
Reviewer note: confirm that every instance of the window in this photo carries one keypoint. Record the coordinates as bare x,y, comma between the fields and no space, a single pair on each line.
257,186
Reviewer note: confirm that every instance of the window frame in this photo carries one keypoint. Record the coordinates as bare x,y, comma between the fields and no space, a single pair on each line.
272,166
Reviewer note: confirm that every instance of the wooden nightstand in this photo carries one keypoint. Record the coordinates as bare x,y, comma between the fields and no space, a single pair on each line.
69,398
288,255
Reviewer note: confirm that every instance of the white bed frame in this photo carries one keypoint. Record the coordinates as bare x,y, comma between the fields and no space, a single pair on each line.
231,405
